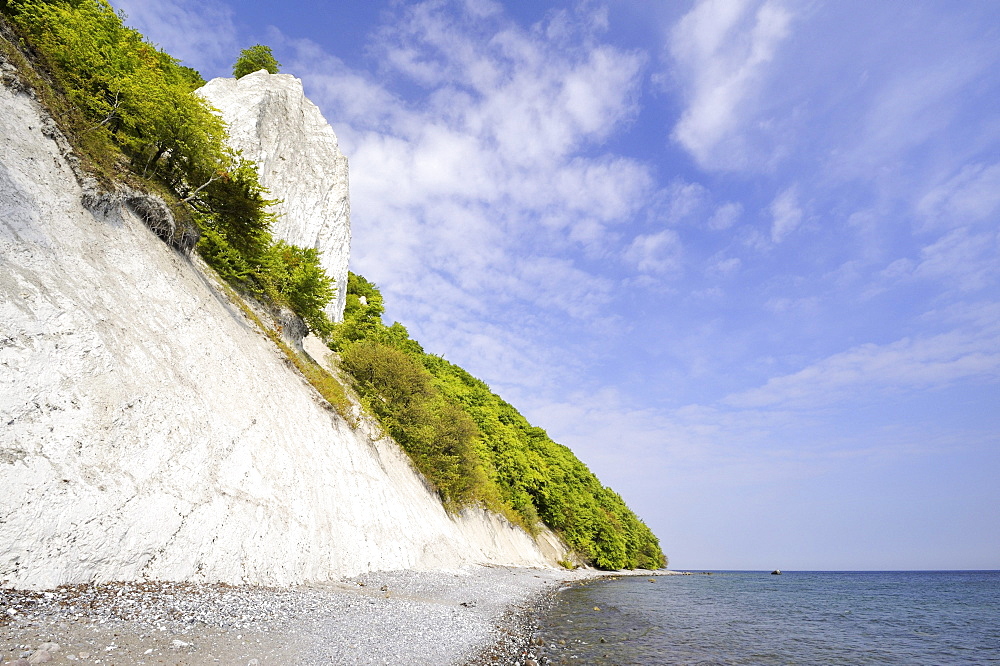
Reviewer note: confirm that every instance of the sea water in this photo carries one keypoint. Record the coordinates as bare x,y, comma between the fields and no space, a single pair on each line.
946,617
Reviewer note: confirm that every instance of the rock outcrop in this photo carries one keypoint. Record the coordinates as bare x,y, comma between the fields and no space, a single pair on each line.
148,430
271,122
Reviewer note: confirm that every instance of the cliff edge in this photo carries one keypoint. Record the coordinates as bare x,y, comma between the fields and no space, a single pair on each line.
149,430
273,123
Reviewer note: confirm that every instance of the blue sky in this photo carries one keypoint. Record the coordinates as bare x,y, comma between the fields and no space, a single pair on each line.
742,256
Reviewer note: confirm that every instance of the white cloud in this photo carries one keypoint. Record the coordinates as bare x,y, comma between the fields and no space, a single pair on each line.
202,35
961,259
725,267
785,214
722,49
907,364
972,195
660,253
487,184
725,216
805,306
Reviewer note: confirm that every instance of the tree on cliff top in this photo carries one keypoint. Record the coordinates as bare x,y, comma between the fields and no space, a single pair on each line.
255,58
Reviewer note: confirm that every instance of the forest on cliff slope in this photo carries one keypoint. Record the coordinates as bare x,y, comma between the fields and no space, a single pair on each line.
129,110
477,447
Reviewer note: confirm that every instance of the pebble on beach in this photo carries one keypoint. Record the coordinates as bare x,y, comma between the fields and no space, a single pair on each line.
476,615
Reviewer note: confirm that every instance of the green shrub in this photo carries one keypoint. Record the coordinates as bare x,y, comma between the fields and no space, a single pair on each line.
493,456
437,434
253,59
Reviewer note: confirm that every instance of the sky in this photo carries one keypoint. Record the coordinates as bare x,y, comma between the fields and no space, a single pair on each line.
742,256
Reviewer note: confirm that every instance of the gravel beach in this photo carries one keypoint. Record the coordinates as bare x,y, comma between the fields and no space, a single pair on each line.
475,615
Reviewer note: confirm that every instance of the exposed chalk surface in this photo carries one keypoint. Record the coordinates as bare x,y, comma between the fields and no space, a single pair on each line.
273,123
404,617
149,431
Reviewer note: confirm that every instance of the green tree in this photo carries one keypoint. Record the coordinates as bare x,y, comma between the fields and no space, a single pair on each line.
255,58
300,280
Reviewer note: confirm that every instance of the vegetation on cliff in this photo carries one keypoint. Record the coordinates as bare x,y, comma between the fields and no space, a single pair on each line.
254,59
130,112
475,447
135,117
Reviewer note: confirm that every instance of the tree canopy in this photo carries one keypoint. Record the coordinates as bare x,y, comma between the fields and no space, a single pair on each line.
254,59
140,102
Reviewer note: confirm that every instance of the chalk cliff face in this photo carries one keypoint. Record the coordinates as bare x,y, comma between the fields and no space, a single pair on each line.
299,160
147,429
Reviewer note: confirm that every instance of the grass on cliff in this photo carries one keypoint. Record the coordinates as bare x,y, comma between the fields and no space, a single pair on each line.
476,448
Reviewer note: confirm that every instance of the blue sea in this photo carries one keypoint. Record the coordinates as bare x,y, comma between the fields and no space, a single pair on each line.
742,617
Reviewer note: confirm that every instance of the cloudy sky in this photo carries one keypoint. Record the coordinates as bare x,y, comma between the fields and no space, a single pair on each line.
743,256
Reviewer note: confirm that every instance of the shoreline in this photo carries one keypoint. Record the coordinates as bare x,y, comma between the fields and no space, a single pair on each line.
469,616
520,642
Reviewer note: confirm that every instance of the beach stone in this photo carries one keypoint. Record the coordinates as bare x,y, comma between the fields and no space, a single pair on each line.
40,657
83,655
49,647
20,662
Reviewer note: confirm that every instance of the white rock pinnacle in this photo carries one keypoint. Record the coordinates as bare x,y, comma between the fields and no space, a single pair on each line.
299,160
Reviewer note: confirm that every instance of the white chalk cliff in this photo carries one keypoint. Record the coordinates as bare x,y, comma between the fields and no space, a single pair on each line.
298,158
149,430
